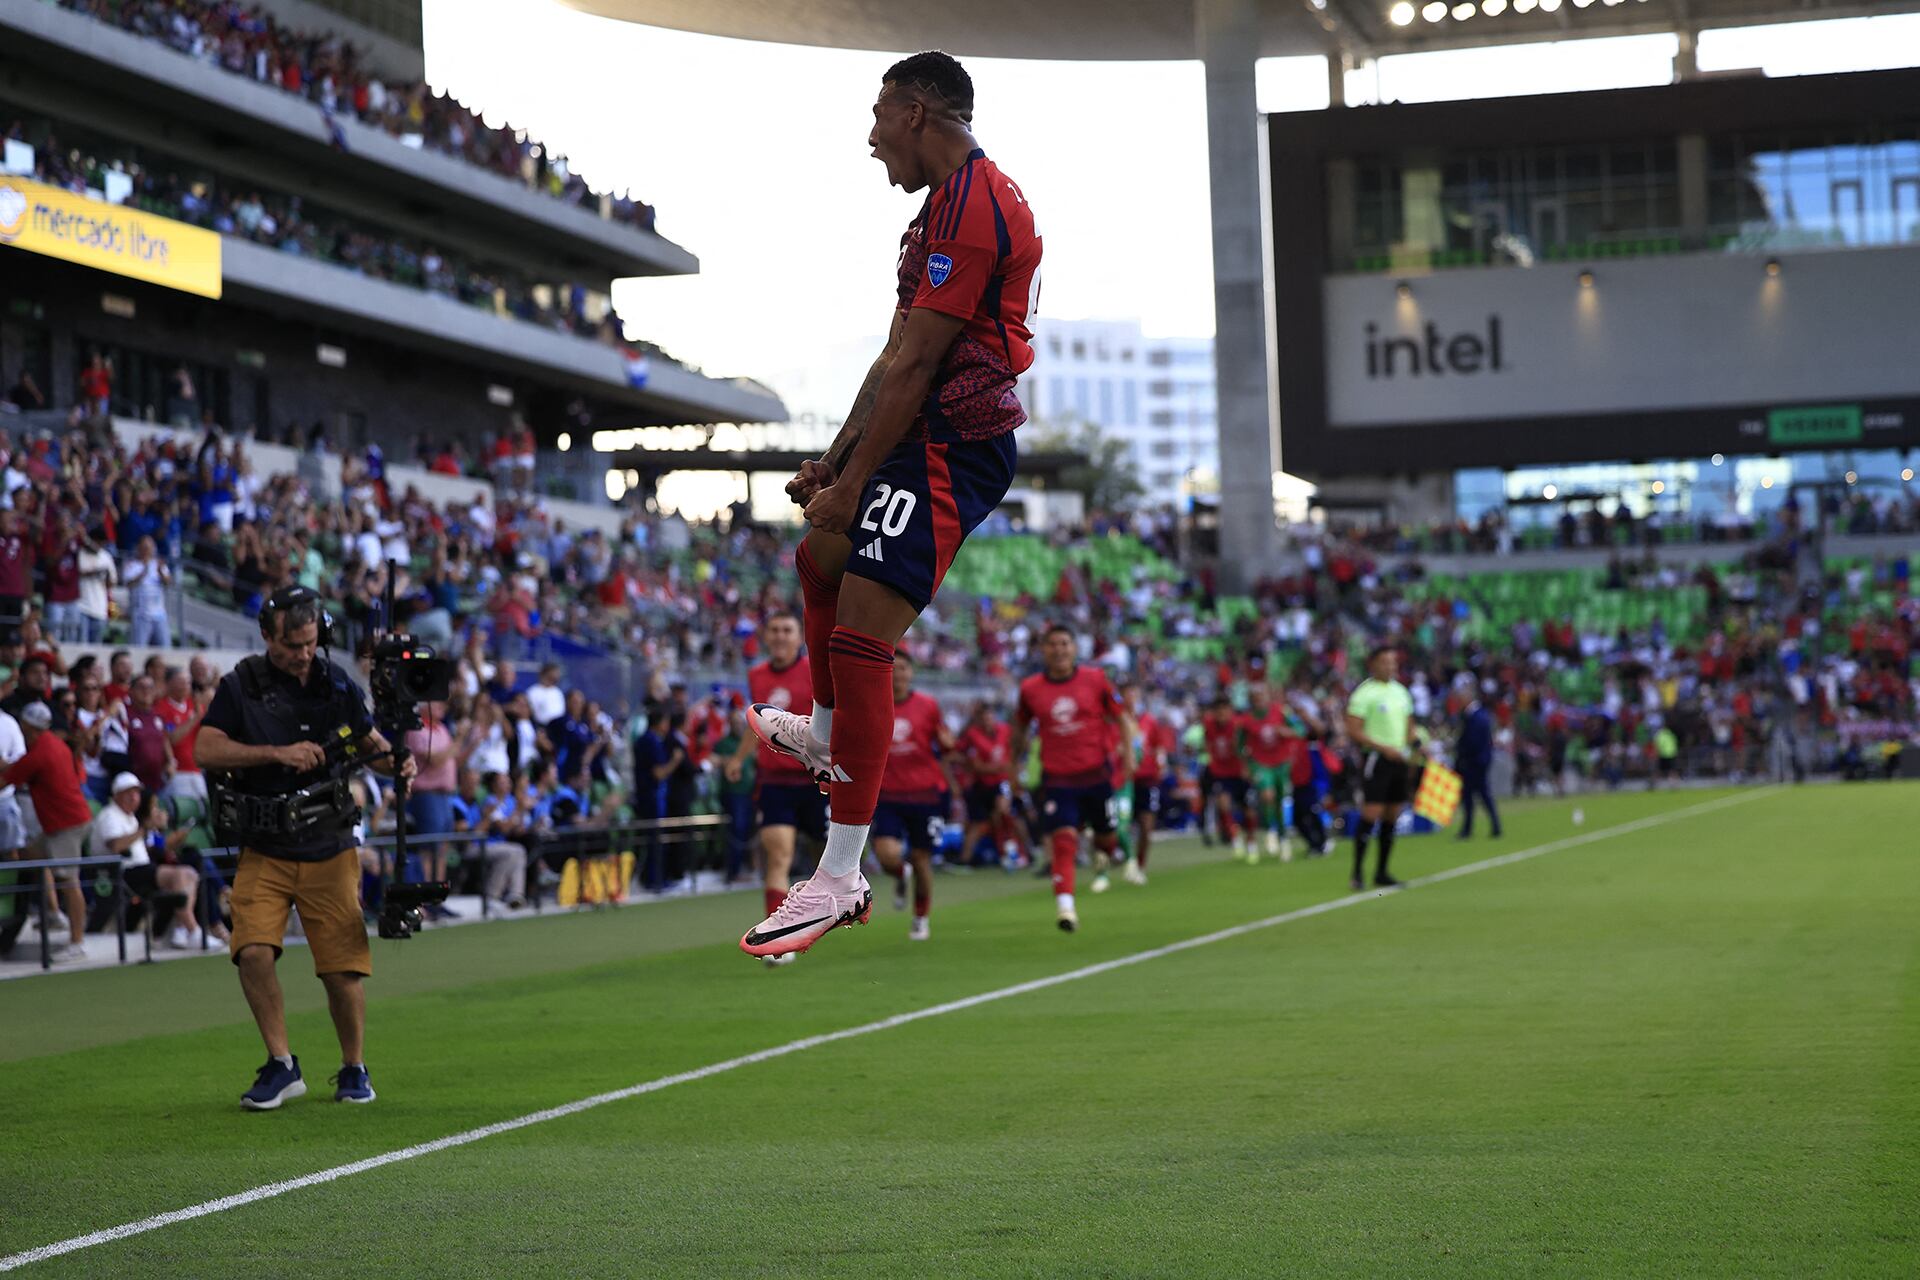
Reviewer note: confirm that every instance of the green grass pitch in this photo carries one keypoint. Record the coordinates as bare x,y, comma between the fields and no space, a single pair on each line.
1688,1048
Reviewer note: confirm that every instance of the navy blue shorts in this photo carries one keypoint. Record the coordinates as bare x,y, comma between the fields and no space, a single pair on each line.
918,826
798,805
983,800
1146,799
1078,807
1234,789
920,506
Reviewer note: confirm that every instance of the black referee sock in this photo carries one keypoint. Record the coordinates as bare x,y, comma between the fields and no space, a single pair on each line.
1386,849
1360,850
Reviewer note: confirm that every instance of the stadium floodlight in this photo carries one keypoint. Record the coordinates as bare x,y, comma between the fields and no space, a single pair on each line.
1766,482
1550,492
1549,6
1435,11
1581,4
1659,487
1773,266
1719,459
1853,477
1463,11
1401,15
1523,6
1403,291
1586,278
1906,473
1493,8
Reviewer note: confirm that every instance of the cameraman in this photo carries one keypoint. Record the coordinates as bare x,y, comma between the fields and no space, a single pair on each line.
266,725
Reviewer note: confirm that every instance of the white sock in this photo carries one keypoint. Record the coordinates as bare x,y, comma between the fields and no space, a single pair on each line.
284,1059
846,841
1064,901
823,725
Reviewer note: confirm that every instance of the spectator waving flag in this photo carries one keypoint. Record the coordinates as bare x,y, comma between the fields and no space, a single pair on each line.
335,134
636,369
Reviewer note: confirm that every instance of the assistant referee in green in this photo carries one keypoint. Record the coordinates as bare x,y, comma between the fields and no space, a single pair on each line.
1379,720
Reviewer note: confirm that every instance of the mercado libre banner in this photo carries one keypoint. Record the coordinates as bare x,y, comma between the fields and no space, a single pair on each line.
127,242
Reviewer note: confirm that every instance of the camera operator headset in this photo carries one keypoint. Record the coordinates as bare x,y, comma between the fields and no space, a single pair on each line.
278,741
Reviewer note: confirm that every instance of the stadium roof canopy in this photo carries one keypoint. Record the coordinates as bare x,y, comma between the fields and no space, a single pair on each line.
1154,29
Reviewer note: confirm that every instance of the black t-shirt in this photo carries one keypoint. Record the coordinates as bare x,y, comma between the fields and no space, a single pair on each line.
285,713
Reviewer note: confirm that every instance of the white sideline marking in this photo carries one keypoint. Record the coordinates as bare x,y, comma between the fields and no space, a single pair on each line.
271,1189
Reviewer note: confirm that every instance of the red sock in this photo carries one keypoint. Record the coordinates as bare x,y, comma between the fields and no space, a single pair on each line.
774,898
862,721
1066,847
1228,829
823,602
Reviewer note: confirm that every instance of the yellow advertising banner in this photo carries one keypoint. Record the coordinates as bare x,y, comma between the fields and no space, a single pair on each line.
110,237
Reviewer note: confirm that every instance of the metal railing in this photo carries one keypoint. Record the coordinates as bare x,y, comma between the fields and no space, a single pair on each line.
36,884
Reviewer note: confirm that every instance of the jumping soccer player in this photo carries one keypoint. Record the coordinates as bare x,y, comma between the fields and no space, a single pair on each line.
1379,716
789,802
986,750
927,453
1074,707
1272,745
1153,745
1226,732
913,794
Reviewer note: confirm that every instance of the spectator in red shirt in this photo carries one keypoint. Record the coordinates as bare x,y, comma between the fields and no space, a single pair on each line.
61,554
181,710
96,385
149,742
47,772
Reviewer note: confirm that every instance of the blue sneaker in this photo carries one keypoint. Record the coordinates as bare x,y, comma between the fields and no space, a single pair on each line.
273,1085
352,1084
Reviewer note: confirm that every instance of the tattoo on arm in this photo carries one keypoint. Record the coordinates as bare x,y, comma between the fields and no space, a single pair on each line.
856,424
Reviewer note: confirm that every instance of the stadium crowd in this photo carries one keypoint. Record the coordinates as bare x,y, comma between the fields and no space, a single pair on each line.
337,77
93,532
292,226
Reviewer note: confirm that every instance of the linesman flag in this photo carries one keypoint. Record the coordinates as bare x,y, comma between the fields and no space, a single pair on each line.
1439,795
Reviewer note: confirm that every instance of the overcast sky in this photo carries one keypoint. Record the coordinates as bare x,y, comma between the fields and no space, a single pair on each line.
755,156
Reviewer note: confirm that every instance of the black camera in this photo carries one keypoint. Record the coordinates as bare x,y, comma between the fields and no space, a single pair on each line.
405,673
400,914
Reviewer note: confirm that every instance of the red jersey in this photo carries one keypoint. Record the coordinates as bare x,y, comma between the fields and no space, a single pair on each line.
1153,749
988,753
913,773
972,253
1271,741
1072,715
790,689
176,714
1224,759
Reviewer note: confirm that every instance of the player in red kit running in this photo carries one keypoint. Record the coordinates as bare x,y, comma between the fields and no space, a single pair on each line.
913,794
986,748
926,454
1077,711
1273,744
1153,745
1226,731
787,798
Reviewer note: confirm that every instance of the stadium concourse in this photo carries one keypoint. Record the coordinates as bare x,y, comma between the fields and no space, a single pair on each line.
1717,661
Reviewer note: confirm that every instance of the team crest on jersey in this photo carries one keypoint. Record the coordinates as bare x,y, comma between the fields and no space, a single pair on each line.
781,698
939,267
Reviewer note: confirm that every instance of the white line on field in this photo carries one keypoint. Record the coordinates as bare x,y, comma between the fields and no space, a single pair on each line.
272,1189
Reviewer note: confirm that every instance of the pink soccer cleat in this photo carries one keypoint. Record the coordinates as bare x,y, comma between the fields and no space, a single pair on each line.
811,909
791,734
